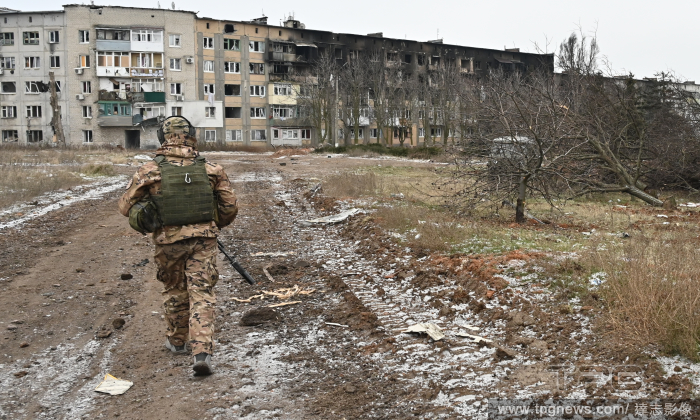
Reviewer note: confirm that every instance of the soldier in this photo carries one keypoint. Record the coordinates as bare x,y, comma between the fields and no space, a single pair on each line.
185,200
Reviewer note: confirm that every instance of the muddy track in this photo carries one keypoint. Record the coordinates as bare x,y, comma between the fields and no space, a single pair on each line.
338,354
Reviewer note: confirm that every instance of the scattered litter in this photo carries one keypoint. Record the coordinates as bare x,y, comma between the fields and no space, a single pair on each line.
284,304
272,254
477,339
336,218
597,278
431,329
113,386
250,299
267,273
469,327
287,293
142,157
337,325
400,196
662,215
690,205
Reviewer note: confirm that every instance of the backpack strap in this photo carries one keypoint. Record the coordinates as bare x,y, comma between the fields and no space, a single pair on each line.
159,159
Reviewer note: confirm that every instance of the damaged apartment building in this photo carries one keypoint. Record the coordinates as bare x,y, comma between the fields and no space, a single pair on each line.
119,70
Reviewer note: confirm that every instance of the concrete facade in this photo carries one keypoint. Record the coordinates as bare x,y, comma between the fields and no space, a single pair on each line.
127,83
32,44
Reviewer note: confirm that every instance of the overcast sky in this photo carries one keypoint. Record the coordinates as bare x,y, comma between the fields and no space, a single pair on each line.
641,37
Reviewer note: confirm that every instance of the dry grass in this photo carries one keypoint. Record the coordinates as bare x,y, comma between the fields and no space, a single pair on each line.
353,185
653,290
27,172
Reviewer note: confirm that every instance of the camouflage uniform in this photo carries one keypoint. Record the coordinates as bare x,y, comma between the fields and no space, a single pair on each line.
185,255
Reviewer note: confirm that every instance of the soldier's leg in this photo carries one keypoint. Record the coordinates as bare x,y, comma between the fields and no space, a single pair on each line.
201,278
170,263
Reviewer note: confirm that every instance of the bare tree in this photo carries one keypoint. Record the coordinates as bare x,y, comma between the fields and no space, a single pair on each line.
316,97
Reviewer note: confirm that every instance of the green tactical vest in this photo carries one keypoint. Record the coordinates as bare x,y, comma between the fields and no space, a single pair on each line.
186,196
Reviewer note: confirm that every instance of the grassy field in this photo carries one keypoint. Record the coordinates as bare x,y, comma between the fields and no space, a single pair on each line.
649,291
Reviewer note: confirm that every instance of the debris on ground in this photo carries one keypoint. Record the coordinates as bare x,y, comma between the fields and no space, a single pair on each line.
336,218
426,327
283,304
477,339
334,324
117,323
291,152
259,316
287,293
113,386
273,254
267,273
250,299
127,276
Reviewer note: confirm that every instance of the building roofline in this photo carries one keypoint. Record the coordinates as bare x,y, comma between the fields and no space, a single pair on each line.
27,12
96,6
372,37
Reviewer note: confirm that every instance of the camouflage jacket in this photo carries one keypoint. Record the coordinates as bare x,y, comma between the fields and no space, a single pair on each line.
180,150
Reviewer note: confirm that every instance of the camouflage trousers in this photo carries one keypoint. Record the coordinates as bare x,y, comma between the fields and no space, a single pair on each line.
187,269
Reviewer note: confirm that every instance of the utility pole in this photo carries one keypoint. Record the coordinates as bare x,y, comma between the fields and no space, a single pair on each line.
56,118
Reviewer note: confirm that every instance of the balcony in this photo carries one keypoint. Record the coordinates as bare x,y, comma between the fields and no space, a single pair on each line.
147,72
112,71
113,45
114,121
156,97
113,96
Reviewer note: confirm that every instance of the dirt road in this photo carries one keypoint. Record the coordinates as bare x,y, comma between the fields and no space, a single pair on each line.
339,353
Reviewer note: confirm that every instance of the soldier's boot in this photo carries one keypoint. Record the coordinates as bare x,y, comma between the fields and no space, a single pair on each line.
175,349
202,364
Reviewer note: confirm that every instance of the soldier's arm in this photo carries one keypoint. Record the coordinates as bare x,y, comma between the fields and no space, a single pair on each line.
138,187
226,199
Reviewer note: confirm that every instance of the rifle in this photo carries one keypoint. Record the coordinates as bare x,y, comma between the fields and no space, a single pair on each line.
235,264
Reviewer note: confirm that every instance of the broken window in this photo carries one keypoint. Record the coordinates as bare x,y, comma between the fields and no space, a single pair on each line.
176,88
283,111
434,60
256,46
257,90
8,87
228,28
33,111
208,88
209,135
232,44
176,110
34,87
257,68
392,56
232,112
30,38
8,112
257,112
53,37
55,61
305,133
34,136
421,59
7,62
176,64
232,67
32,62
10,135
234,135
87,136
86,87
7,38
174,41
282,89
83,36
232,90
258,135
87,111
477,65
147,35
208,43
210,112
407,58
338,54
353,54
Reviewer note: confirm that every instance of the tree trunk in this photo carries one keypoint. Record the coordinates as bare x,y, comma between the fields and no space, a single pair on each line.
520,204
636,192
56,118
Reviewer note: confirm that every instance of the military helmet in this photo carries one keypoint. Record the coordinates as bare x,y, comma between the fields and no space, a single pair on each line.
175,125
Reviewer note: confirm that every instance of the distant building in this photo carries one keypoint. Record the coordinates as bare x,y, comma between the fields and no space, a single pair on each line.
122,69
32,44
